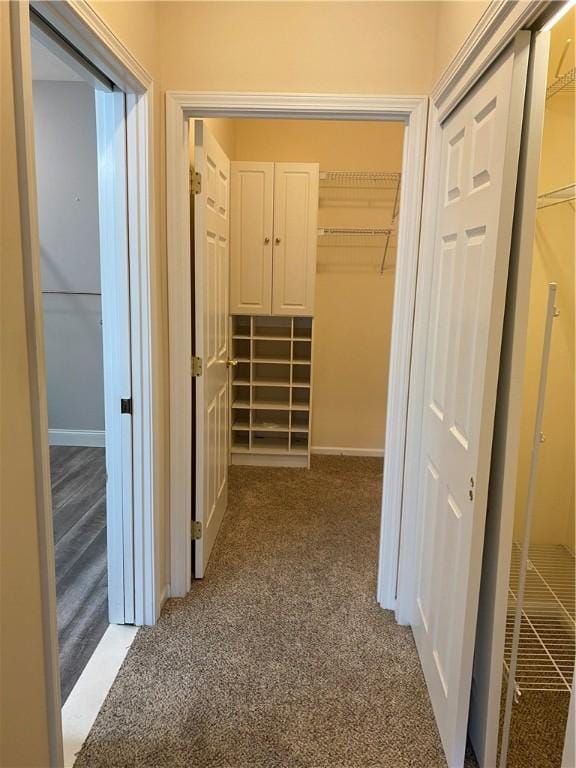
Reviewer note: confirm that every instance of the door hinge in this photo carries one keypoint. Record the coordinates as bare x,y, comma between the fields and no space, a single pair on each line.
196,366
195,182
196,529
126,405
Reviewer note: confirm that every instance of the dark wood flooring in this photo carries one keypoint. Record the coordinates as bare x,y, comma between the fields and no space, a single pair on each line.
79,509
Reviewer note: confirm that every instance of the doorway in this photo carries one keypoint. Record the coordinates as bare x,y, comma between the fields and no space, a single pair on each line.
296,231
181,108
84,300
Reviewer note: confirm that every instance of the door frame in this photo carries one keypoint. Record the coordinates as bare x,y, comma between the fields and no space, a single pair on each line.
181,106
79,24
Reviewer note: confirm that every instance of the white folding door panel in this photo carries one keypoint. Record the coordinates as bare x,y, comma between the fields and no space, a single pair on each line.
479,156
211,246
251,222
295,238
116,342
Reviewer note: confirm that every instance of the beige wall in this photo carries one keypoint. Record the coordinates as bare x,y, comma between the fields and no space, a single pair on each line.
23,712
300,47
553,261
353,312
454,22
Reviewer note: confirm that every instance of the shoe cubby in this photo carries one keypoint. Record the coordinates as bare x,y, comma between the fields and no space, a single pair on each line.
271,420
271,390
241,327
241,440
300,398
271,350
272,327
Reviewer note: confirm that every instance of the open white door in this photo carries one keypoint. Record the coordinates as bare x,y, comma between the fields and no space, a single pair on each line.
116,342
480,142
211,274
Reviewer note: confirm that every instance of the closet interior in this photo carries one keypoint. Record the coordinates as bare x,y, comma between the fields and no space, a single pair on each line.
540,646
314,210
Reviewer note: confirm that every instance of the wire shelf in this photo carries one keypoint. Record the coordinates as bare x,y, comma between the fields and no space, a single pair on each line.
356,248
547,646
360,179
563,84
360,189
557,196
354,236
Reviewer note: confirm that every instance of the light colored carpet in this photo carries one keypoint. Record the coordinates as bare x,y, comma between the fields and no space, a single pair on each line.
280,657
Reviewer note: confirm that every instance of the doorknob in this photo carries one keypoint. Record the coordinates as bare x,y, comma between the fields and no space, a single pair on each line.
231,363
277,241
266,240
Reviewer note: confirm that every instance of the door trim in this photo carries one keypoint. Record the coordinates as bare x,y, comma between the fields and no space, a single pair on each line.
180,107
79,24
495,29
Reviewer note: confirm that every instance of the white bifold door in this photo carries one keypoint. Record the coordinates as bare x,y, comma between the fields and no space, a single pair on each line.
479,143
211,275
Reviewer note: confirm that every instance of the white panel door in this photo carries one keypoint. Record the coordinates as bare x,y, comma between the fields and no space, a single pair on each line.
251,221
211,263
117,355
479,157
295,238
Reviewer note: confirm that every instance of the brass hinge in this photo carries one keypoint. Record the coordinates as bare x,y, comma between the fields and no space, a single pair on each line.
196,366
196,529
195,182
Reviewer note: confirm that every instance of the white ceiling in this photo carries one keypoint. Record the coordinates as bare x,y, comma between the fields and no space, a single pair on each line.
47,66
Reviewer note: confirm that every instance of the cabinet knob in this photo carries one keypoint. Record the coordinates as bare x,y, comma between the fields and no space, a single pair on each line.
266,240
277,241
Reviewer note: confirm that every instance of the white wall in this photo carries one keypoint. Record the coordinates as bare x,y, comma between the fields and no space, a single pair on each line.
67,173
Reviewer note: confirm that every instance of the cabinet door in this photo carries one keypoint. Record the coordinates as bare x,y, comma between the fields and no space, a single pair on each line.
295,238
251,219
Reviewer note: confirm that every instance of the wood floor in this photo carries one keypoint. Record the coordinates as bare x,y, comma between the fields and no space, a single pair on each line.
79,509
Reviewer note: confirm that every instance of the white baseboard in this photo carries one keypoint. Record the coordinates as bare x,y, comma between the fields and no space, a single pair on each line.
164,595
330,451
86,698
87,438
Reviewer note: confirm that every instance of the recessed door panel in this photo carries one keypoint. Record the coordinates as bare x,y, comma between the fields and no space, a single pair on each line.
295,238
252,199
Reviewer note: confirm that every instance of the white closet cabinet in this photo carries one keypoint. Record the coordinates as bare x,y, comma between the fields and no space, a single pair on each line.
251,231
274,223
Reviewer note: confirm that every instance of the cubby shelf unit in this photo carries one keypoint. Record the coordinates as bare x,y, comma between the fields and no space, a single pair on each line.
271,390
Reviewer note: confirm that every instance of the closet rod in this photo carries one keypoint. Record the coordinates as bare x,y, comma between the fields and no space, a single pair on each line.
537,440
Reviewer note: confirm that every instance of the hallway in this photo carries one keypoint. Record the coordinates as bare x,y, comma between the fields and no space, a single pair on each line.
280,657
